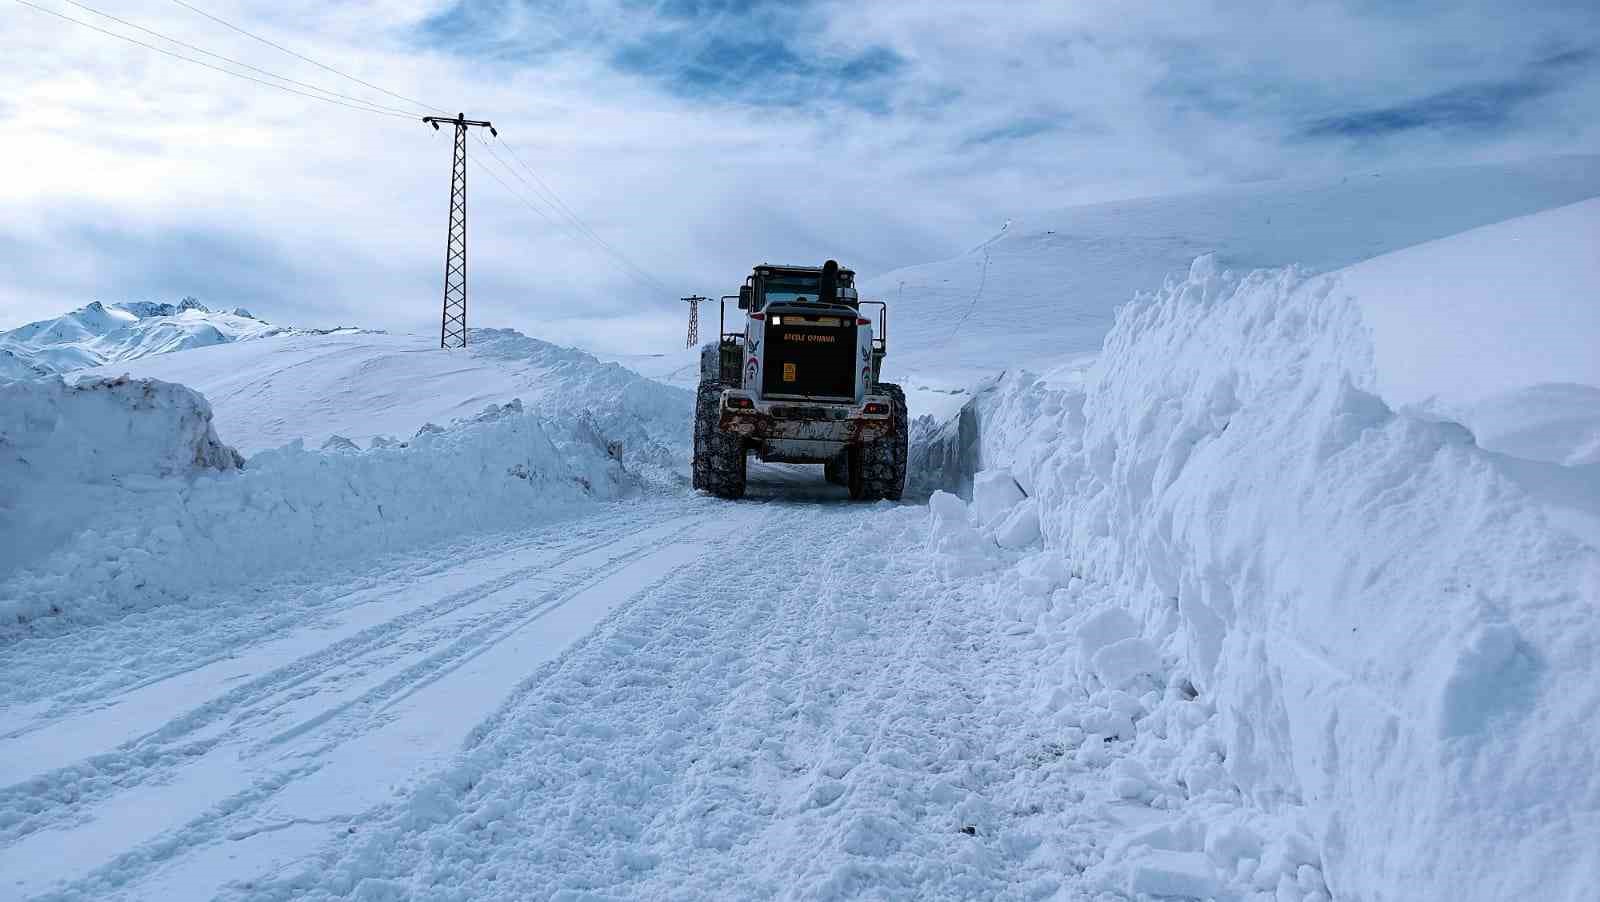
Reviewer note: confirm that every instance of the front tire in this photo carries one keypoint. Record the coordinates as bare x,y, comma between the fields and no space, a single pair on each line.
877,470
719,458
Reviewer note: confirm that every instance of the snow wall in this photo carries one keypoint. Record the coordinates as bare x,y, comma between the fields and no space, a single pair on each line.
1397,627
116,494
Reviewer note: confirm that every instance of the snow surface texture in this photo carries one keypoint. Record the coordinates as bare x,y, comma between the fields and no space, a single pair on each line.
1396,626
841,722
118,495
364,385
104,333
1047,288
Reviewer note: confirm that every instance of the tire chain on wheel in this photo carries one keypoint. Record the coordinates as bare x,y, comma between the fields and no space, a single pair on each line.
878,470
719,458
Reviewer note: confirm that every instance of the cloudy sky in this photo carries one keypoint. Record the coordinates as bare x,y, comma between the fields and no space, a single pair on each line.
696,137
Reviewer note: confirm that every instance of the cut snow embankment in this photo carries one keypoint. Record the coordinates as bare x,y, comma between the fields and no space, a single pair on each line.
1396,626
116,495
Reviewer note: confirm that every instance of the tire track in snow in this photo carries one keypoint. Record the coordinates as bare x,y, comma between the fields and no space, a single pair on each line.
69,795
241,817
103,679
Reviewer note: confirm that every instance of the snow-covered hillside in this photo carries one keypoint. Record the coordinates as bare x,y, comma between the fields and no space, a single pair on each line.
104,333
362,385
1396,625
1047,288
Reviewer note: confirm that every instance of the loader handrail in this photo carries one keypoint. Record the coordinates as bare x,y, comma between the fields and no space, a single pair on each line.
880,340
722,310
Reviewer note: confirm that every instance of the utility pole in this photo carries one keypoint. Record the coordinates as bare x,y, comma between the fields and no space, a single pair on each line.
694,319
453,323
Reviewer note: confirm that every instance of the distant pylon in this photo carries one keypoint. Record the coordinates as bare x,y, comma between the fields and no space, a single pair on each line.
694,320
453,322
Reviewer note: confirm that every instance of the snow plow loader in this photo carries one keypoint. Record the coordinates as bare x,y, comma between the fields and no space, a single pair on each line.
800,385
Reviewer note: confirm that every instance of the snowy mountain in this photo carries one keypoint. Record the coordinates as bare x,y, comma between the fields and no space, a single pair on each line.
104,333
1048,288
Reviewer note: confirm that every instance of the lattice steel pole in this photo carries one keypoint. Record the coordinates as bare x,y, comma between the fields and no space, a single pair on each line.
694,320
453,321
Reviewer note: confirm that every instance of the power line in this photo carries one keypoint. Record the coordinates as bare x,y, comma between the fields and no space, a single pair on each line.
555,202
555,199
566,218
242,65
542,192
189,59
250,34
529,200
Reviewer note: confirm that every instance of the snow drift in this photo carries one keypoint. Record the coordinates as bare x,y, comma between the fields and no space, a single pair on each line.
117,495
1395,625
363,385
99,333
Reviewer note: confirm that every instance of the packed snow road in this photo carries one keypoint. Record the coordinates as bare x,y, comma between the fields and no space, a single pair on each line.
727,702
672,698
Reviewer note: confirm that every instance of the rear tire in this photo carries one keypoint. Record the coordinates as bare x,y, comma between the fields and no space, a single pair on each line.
877,471
719,458
837,469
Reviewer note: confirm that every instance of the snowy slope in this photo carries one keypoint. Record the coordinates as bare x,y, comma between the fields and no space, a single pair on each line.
1047,288
360,385
514,424
103,333
118,496
1395,625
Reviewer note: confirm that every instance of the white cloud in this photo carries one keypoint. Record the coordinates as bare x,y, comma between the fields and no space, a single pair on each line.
133,175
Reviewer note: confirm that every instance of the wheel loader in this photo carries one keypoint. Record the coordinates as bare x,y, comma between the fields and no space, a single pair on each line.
800,385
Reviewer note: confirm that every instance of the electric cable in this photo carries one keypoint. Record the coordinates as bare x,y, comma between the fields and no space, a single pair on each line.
189,59
250,34
242,65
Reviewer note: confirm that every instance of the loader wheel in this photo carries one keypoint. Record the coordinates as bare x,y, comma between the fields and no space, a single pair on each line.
837,469
710,363
878,470
719,458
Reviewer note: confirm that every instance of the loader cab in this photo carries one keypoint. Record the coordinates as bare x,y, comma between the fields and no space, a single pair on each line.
798,285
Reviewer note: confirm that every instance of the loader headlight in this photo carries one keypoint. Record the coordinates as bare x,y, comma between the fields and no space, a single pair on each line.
738,403
875,407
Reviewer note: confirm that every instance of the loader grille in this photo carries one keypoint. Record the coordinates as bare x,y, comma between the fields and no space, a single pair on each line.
813,358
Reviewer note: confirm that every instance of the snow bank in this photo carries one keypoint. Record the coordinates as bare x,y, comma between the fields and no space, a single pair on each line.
117,494
363,385
91,439
1396,626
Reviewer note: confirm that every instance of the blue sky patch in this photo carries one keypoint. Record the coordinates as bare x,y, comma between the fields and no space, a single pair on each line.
757,52
1481,106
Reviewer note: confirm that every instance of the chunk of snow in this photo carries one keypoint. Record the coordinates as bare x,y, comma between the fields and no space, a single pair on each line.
1162,873
1020,528
1104,627
994,494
